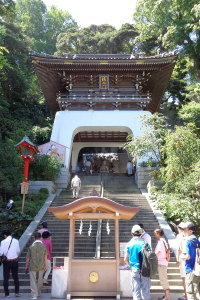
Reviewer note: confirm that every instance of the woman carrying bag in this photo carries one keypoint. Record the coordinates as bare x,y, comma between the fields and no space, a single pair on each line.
162,253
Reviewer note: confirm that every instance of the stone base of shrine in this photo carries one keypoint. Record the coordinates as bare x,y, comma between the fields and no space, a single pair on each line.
125,283
94,294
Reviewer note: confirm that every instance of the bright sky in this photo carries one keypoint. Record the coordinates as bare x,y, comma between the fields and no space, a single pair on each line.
87,12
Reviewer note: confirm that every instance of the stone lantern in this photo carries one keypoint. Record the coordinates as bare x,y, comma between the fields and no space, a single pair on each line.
28,149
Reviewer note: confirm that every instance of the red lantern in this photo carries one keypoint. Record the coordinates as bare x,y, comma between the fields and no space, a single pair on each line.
27,151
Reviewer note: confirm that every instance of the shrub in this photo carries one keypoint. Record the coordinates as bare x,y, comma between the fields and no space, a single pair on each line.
149,163
45,167
154,189
143,164
44,191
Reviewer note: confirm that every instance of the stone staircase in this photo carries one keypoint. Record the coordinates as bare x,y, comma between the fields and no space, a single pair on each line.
119,188
123,190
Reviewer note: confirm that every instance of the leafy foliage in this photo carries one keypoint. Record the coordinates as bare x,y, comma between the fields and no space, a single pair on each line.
44,191
167,25
150,142
97,39
45,167
10,169
182,152
42,26
17,221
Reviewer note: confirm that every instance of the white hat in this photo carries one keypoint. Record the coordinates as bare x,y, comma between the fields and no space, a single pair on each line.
181,225
136,229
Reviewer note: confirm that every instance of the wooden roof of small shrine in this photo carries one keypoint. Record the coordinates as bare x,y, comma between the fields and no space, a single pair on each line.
94,208
134,83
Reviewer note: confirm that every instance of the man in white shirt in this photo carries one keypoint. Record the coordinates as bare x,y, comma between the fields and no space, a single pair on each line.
145,236
87,166
129,168
76,186
10,248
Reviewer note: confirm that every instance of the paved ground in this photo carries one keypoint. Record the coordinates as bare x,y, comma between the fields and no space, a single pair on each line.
48,297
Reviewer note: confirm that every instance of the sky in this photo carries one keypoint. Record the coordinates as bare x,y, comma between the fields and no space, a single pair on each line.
87,12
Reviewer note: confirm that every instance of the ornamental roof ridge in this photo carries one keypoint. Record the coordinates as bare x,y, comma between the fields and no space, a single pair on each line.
73,56
25,139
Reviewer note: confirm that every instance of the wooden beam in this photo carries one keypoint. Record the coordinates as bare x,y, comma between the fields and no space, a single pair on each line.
94,216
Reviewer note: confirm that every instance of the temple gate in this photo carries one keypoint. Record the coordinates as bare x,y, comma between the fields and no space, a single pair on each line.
97,96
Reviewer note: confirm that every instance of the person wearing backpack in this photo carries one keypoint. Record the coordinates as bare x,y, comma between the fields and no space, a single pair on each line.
160,251
181,263
140,284
189,254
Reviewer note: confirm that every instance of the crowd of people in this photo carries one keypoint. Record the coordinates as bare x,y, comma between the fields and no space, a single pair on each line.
38,261
186,254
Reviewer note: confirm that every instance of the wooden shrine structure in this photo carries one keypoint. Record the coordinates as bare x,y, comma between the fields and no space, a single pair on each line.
103,81
96,96
93,277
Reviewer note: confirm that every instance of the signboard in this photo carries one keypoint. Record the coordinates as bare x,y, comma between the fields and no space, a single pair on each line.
24,188
122,249
53,149
103,82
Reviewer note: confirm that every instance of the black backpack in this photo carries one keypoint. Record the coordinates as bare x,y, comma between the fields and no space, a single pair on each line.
149,262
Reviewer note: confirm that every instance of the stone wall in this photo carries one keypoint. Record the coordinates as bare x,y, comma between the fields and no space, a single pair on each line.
64,179
152,183
35,186
142,176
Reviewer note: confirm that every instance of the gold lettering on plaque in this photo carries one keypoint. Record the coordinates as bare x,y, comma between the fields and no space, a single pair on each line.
103,82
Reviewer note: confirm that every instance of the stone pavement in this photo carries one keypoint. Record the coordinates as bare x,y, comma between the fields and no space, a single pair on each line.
47,296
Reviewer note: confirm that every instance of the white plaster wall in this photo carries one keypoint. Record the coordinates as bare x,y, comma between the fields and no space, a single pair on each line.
68,123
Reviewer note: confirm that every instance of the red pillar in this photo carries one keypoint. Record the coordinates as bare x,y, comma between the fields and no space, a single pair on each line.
26,167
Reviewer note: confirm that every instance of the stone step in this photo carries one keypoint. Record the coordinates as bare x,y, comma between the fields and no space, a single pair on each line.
120,189
173,289
172,282
26,289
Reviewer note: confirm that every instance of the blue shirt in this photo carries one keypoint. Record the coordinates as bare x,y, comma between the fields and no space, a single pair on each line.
133,247
191,250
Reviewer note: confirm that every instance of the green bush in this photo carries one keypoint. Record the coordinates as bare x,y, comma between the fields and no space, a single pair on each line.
17,221
154,189
149,163
44,191
143,164
45,167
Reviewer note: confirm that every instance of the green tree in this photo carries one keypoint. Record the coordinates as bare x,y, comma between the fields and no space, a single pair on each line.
21,106
30,16
174,24
167,25
150,142
45,167
97,39
10,168
56,21
7,8
42,26
179,199
181,149
190,114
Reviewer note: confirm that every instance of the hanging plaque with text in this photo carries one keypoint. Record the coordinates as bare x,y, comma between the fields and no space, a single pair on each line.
103,82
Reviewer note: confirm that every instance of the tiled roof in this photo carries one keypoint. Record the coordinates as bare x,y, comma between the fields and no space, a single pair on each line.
50,69
71,56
